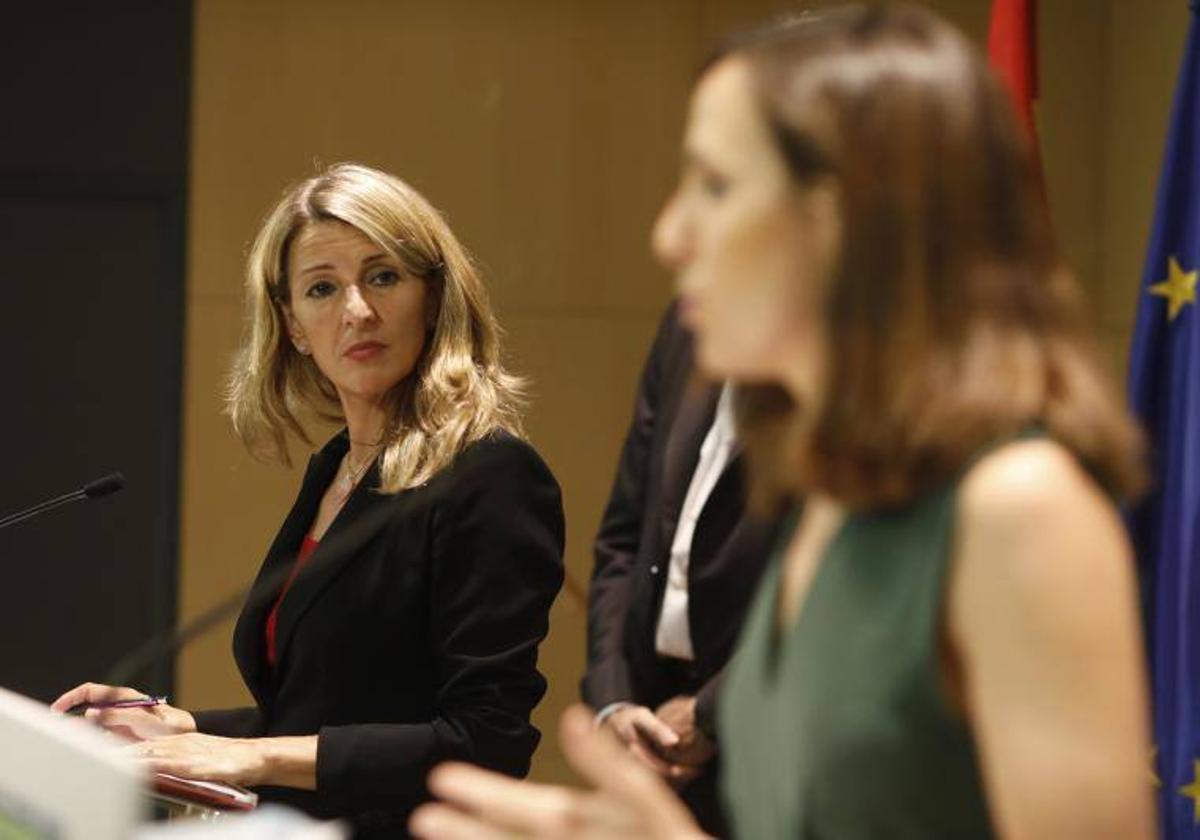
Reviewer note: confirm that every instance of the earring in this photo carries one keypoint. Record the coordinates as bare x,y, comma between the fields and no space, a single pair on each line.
302,348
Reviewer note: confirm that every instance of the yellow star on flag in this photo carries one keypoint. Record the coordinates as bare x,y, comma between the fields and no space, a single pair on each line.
1192,791
1179,288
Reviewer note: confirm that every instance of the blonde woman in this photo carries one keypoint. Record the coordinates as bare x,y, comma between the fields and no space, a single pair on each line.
402,636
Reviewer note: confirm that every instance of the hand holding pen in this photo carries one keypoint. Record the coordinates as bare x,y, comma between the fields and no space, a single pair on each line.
125,711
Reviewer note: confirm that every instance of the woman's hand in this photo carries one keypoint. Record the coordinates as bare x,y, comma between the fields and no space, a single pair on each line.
693,748
237,761
135,724
650,740
629,801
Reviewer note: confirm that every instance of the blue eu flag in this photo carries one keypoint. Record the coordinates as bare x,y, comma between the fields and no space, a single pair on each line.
1164,391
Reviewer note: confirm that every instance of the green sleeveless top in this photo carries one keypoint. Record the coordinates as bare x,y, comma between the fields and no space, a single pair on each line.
837,726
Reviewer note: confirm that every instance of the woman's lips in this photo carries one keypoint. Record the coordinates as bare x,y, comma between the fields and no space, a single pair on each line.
363,351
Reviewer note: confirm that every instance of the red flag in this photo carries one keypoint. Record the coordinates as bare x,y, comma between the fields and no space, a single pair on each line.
1012,49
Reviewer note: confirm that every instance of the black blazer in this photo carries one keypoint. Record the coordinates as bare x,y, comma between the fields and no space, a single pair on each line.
415,640
673,413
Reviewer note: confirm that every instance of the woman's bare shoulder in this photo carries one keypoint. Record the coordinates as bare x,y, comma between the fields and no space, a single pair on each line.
1034,531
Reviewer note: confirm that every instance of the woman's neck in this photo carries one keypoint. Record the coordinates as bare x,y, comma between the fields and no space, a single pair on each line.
802,374
365,424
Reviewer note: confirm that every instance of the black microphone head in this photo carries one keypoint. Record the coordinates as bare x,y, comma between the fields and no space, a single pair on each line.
110,483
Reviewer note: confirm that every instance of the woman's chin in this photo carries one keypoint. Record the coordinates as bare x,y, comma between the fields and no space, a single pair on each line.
721,363
708,363
365,393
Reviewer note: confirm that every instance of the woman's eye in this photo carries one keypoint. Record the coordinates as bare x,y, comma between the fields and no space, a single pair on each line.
714,186
387,277
320,289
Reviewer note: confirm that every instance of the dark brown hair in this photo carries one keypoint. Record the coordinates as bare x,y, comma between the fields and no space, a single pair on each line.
952,322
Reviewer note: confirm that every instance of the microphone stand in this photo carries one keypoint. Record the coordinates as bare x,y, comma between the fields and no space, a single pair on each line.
93,490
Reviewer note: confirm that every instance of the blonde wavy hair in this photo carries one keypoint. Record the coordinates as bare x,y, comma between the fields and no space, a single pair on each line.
459,391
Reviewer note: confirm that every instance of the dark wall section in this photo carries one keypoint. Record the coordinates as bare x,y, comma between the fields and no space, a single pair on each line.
93,179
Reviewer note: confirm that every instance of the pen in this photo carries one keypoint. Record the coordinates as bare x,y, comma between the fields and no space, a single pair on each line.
138,703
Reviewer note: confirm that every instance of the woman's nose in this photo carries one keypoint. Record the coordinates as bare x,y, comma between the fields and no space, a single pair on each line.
669,239
357,308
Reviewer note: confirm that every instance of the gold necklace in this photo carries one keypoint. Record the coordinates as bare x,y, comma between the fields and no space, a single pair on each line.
353,474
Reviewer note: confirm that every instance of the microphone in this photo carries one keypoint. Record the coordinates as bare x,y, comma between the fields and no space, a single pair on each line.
105,486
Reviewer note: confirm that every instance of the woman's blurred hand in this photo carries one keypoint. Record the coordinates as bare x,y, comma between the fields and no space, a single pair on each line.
136,724
629,800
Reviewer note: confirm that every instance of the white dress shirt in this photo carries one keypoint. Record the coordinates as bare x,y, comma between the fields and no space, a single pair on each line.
673,637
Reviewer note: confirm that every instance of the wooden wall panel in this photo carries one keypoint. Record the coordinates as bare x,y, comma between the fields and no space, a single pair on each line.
548,132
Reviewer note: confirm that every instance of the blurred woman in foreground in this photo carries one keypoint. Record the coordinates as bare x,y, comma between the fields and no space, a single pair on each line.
947,645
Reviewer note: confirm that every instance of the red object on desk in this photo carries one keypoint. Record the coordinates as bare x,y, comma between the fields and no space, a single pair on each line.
216,795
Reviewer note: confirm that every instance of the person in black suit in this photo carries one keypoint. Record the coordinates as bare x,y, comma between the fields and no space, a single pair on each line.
397,616
677,558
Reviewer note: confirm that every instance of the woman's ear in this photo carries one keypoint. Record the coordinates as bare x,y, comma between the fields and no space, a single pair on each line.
823,211
295,332
825,204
